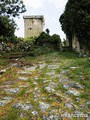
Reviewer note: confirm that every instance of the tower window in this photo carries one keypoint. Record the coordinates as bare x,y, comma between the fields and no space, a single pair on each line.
30,28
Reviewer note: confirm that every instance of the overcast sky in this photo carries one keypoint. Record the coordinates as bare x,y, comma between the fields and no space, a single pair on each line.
50,9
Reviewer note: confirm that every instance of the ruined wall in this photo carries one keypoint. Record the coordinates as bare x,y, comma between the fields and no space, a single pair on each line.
33,25
75,44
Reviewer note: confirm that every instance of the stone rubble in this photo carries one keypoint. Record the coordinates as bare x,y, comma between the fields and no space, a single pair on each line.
12,90
43,106
73,92
42,66
22,78
33,68
25,106
52,66
5,100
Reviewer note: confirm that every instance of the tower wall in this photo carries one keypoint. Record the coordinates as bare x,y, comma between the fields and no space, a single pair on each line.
33,25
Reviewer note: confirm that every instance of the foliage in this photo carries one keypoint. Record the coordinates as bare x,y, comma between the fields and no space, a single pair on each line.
55,39
7,27
15,44
47,31
8,10
34,46
42,50
76,21
42,39
45,39
11,7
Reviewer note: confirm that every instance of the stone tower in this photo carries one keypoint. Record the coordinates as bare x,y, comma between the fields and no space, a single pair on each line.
33,25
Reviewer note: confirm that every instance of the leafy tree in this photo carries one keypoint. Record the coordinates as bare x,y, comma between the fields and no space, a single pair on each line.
11,7
8,10
56,41
47,31
76,21
42,39
7,27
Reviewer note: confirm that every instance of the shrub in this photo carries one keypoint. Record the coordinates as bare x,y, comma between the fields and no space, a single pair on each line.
45,39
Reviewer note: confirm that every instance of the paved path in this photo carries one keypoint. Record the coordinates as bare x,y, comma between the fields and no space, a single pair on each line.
41,91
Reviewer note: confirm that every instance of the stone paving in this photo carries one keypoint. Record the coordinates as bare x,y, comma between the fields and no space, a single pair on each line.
40,90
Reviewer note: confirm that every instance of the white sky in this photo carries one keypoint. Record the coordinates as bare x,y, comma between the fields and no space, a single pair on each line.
50,9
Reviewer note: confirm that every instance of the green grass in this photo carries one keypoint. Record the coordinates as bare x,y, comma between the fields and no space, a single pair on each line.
22,92
4,62
81,74
12,115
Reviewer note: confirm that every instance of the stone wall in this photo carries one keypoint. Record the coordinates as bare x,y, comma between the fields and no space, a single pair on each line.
75,44
33,25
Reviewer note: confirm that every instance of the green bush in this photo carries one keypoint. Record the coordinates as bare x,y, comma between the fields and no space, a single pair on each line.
45,39
42,39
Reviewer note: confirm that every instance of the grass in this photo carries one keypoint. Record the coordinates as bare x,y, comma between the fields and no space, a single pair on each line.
3,62
81,74
12,115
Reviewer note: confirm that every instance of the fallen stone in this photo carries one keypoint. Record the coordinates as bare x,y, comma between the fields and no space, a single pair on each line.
53,67
30,68
64,72
49,89
73,92
42,66
9,82
14,64
36,78
77,85
12,90
35,113
88,103
73,67
45,80
63,80
2,71
22,78
35,83
36,88
24,72
43,98
52,73
77,99
69,105
5,100
66,86
43,106
73,85
23,86
25,106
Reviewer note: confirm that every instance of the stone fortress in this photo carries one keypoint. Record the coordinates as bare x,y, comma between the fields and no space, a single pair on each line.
33,25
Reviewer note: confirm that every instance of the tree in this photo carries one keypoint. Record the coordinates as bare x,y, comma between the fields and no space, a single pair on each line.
11,7
8,10
7,27
75,21
47,31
